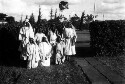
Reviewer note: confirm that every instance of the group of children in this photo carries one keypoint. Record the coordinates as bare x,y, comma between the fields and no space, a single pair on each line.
39,48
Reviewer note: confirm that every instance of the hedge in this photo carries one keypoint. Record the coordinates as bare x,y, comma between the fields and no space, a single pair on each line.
107,37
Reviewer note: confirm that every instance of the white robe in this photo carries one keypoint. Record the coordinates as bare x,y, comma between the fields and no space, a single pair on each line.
59,52
45,53
33,55
68,35
39,36
53,37
74,40
24,35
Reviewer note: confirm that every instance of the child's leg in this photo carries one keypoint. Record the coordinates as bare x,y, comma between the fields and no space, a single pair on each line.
60,62
63,59
56,59
69,57
29,64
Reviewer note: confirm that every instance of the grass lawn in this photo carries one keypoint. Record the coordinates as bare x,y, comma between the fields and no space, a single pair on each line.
116,63
67,73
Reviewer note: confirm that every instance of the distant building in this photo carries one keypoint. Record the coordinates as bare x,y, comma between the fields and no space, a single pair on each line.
3,22
3,18
10,19
6,19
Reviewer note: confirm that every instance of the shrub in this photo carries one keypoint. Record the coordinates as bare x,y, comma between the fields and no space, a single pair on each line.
107,37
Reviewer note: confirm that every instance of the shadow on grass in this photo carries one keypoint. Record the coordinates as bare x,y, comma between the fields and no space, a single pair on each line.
84,50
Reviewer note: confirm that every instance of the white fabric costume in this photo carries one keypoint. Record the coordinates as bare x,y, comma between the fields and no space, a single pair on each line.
53,37
33,55
45,53
59,53
68,34
74,37
39,36
24,35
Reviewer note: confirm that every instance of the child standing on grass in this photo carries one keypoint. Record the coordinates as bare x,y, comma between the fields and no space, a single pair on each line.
45,52
52,37
70,36
25,33
32,54
59,51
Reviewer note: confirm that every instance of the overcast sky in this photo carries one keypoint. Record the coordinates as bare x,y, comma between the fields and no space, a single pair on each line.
112,9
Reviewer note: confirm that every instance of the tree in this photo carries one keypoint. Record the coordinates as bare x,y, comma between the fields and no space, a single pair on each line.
81,21
51,14
39,16
2,16
26,17
32,20
75,21
21,20
39,22
55,13
89,18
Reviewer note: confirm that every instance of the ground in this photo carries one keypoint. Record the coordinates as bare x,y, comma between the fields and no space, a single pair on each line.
84,68
98,69
67,73
116,63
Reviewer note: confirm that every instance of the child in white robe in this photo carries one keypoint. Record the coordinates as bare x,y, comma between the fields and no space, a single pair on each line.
32,54
45,52
39,35
52,38
59,51
69,35
25,33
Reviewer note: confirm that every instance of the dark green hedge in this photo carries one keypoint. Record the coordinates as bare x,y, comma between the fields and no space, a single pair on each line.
107,37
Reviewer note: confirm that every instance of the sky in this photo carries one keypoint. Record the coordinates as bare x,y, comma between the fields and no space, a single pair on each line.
111,9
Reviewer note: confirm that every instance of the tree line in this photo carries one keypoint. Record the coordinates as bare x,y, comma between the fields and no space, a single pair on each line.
80,23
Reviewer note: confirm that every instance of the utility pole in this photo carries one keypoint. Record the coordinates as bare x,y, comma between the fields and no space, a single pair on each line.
94,11
103,17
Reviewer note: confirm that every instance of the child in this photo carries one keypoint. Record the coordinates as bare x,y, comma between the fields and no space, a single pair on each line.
45,52
32,54
59,51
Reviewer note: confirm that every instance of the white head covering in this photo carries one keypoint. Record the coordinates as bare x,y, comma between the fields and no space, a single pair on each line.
26,20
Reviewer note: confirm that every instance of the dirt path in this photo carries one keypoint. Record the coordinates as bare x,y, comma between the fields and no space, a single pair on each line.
99,73
96,71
